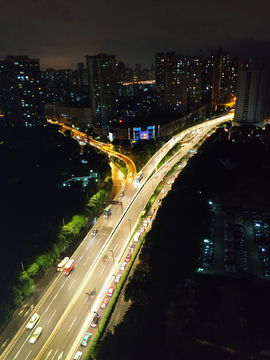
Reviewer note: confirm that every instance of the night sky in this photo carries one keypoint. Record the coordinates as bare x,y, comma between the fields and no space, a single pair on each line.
61,33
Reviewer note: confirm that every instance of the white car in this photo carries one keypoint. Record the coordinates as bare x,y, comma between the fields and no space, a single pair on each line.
78,355
118,278
123,266
32,322
35,335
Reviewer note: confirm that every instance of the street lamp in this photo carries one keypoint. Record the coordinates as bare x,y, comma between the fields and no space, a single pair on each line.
97,319
22,264
129,226
112,254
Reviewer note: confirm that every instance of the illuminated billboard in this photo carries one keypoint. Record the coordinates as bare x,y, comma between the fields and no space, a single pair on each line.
139,134
144,135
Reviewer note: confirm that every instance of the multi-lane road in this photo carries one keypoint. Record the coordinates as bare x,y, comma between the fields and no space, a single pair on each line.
65,310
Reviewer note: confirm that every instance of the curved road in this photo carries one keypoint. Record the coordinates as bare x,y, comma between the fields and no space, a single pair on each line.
65,312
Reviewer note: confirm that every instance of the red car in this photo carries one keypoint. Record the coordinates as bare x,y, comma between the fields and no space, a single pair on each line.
111,291
128,258
104,303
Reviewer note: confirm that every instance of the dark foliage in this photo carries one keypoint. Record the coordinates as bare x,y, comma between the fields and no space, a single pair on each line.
34,162
166,317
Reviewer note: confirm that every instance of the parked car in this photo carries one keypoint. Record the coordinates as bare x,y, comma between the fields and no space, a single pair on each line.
128,258
123,266
86,339
104,303
95,320
132,248
111,291
78,355
118,278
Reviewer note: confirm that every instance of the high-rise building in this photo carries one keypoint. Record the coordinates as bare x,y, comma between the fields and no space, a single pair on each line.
222,90
207,80
80,75
21,92
171,80
101,72
251,95
194,81
219,74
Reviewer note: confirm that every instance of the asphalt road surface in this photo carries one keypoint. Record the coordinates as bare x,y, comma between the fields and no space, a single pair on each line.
65,312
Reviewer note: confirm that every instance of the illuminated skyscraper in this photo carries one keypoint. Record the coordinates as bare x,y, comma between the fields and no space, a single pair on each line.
194,81
222,85
21,93
171,80
251,96
101,72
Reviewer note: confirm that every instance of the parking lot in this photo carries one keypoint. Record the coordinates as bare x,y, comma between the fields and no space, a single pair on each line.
235,249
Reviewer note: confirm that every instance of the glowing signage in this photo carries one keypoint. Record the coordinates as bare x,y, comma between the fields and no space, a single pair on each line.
144,135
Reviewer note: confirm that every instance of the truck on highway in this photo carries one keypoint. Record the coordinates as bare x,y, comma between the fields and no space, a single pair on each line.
107,211
69,266
61,265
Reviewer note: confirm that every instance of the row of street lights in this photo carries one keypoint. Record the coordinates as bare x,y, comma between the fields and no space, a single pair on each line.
112,251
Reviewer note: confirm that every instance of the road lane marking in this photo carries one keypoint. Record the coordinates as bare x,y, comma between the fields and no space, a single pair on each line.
102,270
49,353
86,260
47,309
125,229
22,346
28,354
71,285
54,354
72,323
4,344
51,317
115,247
60,356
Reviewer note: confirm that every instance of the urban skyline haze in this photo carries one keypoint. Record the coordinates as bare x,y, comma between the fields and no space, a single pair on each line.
60,34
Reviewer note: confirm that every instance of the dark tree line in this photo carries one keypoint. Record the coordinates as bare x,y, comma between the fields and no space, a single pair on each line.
34,164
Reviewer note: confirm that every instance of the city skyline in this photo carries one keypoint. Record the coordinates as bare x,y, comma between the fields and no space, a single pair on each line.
61,35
